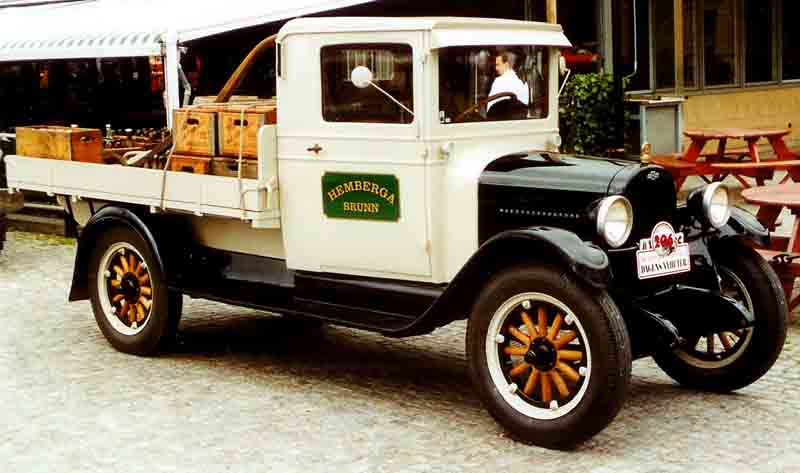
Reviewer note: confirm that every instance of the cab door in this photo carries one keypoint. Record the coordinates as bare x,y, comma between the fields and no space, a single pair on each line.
352,164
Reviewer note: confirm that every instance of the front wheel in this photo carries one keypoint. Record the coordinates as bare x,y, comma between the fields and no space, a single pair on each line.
724,362
549,356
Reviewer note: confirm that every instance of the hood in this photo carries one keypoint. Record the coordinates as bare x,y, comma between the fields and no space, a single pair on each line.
536,188
555,172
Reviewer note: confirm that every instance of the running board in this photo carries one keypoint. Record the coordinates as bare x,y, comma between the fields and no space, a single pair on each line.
378,305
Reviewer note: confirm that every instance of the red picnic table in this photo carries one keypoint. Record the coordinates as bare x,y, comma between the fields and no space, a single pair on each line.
740,163
771,201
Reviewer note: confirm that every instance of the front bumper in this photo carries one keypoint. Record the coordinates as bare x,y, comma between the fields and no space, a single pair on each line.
665,312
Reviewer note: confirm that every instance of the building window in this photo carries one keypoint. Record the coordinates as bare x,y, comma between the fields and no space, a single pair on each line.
759,41
719,42
727,43
663,20
791,40
664,44
392,69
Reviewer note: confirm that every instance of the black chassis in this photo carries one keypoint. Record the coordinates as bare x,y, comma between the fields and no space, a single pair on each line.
534,207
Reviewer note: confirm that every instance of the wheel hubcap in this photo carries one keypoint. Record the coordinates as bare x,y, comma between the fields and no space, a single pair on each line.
542,354
125,289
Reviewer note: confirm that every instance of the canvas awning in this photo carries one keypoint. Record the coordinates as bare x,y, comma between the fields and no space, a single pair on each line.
125,28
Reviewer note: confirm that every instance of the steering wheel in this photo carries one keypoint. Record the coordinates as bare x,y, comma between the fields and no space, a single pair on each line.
481,103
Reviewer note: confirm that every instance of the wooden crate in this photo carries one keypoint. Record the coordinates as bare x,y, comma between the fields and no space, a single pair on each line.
232,124
190,164
229,167
63,143
196,132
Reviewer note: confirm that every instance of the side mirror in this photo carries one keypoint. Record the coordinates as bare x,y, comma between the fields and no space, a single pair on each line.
361,77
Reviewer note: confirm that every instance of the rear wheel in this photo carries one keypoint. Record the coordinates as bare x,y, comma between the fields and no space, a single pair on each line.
3,218
132,306
549,356
723,362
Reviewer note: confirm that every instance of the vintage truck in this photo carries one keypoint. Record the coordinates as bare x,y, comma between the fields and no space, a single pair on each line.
394,195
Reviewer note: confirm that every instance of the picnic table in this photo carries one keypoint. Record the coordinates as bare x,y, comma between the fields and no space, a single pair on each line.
786,259
740,163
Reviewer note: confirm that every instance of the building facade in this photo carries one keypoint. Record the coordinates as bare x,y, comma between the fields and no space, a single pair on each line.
741,59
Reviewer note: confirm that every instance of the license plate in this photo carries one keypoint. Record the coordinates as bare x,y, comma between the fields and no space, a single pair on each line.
665,253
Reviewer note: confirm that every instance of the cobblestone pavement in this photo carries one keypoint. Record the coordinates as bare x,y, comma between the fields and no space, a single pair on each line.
246,392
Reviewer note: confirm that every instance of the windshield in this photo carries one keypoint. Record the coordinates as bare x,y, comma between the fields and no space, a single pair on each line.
490,83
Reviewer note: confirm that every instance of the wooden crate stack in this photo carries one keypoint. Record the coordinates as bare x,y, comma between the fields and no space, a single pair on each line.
62,143
209,138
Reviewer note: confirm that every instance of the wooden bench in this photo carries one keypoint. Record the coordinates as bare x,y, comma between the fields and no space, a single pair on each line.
760,171
680,168
771,164
788,269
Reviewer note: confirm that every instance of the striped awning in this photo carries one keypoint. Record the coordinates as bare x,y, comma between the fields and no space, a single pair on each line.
129,28
83,46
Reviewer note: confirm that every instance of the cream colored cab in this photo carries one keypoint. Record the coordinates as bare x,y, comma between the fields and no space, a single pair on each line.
378,170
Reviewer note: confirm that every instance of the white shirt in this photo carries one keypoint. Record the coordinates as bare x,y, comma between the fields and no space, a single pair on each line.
510,82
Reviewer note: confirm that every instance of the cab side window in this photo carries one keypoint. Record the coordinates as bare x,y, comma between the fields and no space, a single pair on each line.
392,71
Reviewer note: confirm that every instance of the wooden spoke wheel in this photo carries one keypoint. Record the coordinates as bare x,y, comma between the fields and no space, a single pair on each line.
549,355
731,360
132,304
540,350
125,289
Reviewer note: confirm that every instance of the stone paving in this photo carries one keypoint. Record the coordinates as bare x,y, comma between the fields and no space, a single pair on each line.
248,392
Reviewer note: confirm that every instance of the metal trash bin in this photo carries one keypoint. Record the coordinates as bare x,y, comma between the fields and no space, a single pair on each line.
655,120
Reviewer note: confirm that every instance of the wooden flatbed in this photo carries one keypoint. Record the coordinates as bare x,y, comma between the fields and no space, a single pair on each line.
254,200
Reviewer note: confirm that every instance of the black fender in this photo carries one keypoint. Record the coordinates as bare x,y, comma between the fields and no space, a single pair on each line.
538,244
745,225
107,217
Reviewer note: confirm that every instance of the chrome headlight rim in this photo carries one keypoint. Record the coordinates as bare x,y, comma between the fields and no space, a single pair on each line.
709,193
602,219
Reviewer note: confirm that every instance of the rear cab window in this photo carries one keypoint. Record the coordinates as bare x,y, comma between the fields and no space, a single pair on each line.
392,70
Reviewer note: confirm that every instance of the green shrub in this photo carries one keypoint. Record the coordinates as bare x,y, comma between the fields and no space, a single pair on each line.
589,108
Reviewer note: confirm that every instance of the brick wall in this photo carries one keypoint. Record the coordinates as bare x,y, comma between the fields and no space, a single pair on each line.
773,108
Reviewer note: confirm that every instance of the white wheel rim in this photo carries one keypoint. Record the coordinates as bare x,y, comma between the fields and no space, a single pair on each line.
737,342
508,390
105,277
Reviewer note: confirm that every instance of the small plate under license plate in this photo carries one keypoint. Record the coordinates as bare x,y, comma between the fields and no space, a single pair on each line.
663,254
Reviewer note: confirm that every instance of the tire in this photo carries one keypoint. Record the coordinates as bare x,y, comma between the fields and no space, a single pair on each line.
739,359
3,230
144,319
3,217
599,363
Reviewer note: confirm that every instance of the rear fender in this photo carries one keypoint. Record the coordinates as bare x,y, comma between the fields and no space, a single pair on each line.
106,218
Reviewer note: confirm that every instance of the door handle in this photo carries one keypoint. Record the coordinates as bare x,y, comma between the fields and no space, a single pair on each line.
316,149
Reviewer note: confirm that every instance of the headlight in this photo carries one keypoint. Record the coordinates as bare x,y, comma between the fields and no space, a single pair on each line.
716,205
615,220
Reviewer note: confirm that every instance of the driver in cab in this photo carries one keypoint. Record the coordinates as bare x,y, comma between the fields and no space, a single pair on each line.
507,82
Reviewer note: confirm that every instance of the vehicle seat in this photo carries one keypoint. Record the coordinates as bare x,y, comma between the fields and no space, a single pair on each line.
508,109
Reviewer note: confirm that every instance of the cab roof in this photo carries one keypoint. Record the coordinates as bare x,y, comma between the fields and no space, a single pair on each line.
446,31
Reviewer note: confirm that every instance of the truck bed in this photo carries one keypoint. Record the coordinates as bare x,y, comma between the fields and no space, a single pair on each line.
201,195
